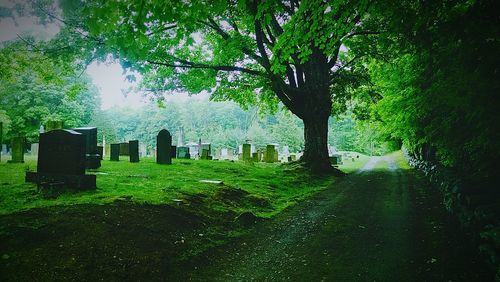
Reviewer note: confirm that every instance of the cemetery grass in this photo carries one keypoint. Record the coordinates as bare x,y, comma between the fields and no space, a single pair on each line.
144,219
261,188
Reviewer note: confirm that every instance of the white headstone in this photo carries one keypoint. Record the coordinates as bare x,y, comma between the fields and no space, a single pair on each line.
286,151
142,150
103,146
34,149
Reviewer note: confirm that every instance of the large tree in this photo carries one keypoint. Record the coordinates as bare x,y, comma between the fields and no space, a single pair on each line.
251,52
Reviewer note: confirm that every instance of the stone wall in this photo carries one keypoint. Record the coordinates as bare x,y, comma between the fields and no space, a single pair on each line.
475,202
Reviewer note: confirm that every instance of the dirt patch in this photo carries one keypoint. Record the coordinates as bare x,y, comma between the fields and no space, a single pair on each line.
121,241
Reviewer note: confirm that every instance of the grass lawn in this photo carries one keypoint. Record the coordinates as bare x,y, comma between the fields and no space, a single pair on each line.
261,188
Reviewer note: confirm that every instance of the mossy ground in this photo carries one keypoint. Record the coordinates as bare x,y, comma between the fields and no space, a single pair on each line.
143,220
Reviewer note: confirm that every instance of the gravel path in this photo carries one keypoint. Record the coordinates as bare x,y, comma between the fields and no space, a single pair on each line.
374,225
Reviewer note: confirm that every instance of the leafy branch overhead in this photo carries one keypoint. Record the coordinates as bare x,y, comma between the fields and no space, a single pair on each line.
271,41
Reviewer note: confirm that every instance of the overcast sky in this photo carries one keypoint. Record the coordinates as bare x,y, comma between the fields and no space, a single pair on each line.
108,77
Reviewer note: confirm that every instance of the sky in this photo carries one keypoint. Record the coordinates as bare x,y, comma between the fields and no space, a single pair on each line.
108,77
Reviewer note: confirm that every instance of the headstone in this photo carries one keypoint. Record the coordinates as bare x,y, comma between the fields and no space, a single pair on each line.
41,129
183,153
247,155
224,153
199,148
142,150
173,152
194,149
293,158
4,149
255,157
92,157
180,137
206,151
17,144
205,154
61,161
104,147
107,150
336,159
124,149
53,125
114,154
271,154
286,151
34,149
164,147
331,150
134,151
100,152
262,156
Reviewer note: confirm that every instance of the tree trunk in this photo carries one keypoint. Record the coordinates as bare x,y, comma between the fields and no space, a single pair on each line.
316,143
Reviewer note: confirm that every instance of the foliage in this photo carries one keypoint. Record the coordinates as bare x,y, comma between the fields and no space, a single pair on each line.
440,89
225,125
35,88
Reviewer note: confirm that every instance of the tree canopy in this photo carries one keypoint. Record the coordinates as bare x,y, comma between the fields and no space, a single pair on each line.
250,52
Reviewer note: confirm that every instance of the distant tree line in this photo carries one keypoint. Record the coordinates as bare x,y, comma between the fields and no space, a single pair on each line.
226,125
35,87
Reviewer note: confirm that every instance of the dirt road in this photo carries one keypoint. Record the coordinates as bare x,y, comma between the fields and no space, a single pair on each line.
380,224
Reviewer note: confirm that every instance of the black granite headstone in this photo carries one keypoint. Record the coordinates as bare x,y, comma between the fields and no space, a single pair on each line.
61,161
114,154
134,151
164,147
93,159
173,152
100,152
124,149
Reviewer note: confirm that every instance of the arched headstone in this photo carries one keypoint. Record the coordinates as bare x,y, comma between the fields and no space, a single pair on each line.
164,147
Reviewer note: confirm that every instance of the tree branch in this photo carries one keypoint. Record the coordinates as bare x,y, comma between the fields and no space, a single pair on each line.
360,33
259,33
190,65
166,28
213,25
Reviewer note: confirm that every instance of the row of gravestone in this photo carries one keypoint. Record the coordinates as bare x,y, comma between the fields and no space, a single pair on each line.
270,155
165,151
64,155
